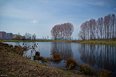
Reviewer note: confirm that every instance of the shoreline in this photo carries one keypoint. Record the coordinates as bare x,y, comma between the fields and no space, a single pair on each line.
102,42
107,42
36,40
13,64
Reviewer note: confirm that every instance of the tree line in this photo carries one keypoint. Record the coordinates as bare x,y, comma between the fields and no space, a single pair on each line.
26,36
102,28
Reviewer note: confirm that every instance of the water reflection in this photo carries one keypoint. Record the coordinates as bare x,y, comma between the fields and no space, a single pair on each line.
98,56
63,49
103,56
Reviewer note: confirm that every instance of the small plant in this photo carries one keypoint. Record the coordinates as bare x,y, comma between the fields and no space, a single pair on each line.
37,56
37,53
71,63
86,69
104,73
56,57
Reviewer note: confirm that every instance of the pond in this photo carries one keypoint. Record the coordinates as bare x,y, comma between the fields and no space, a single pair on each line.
97,56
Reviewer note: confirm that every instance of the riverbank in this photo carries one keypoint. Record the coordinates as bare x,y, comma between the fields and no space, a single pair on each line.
42,40
12,64
108,42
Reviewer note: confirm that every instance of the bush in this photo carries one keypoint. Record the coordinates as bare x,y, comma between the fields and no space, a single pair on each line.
71,63
86,69
37,56
104,73
37,53
56,57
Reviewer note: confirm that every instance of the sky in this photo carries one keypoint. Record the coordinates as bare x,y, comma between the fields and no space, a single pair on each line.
39,16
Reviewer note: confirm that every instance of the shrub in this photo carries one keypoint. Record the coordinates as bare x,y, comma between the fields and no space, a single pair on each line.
37,53
56,57
104,73
71,63
86,69
37,56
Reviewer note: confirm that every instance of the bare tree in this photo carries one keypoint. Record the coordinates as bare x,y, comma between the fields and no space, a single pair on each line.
62,31
100,28
18,36
33,37
28,36
103,28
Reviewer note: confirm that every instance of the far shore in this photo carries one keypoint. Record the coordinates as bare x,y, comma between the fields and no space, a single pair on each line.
41,40
105,42
111,41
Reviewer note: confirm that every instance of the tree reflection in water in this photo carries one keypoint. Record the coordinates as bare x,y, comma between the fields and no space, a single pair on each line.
102,56
63,49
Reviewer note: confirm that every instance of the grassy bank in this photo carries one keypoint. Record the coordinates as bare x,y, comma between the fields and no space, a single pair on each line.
38,40
111,42
107,42
12,64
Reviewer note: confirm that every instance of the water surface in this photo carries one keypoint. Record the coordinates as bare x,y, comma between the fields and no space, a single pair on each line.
97,56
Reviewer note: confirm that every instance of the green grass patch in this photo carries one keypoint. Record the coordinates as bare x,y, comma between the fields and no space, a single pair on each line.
111,42
41,40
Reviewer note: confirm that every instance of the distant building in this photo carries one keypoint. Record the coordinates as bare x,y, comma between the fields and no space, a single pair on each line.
2,35
5,36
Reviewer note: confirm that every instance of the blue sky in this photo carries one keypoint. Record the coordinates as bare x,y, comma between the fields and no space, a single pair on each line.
39,16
